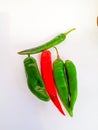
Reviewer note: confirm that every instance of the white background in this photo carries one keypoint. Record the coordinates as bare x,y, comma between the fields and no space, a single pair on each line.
27,23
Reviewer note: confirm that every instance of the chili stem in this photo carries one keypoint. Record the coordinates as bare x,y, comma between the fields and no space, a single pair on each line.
28,55
58,56
69,31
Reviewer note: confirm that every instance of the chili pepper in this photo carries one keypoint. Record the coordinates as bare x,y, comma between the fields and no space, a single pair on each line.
34,79
58,39
72,81
61,83
47,74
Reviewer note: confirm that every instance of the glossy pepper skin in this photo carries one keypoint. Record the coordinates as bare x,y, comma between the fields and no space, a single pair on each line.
72,82
47,75
58,39
34,79
61,83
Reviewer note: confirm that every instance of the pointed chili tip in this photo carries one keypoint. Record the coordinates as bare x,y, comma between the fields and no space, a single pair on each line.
63,114
22,53
71,114
58,105
18,53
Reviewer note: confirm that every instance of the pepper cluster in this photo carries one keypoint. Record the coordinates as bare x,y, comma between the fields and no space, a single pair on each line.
60,79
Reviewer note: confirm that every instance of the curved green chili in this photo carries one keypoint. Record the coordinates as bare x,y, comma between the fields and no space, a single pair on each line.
58,39
72,81
34,79
61,83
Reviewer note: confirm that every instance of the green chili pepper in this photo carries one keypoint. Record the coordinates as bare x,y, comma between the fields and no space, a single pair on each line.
72,81
34,79
61,83
58,39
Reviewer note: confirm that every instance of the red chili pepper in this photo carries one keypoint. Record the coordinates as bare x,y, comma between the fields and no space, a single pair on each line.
47,75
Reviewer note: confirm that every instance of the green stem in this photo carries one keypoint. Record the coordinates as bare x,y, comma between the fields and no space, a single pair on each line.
28,55
58,56
69,31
